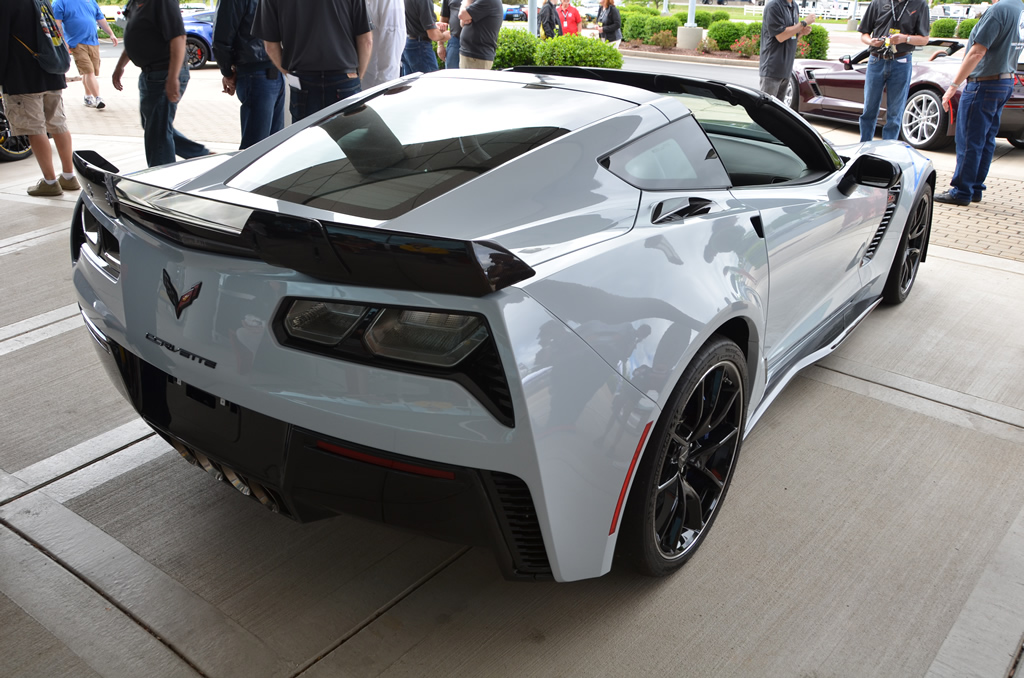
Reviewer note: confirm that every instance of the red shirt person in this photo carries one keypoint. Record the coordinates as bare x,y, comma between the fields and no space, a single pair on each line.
570,18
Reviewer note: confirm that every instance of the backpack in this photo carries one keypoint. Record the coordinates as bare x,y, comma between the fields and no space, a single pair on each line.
53,56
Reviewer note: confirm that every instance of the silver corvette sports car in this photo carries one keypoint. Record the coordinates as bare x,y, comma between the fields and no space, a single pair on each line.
535,310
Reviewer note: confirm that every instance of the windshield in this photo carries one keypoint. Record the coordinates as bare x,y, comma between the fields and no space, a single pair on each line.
394,152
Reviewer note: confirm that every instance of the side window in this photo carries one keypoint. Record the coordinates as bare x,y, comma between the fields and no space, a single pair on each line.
673,158
751,154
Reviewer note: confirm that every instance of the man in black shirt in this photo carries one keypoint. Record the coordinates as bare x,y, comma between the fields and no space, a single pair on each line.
322,46
421,28
890,29
248,71
481,21
154,40
32,97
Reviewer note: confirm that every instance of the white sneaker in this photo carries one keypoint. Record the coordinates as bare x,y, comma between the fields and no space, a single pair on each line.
90,102
99,103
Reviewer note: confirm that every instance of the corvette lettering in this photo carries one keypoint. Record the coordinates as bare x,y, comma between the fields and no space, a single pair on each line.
182,352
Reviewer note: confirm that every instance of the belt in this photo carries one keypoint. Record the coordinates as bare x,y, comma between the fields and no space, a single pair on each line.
306,75
1000,76
157,67
419,39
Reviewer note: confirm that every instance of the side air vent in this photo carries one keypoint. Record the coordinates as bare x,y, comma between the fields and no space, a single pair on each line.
890,207
519,523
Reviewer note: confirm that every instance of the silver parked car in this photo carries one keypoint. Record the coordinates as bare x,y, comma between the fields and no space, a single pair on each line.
534,310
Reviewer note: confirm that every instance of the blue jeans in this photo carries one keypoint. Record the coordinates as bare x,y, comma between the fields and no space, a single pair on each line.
977,123
162,141
262,111
418,57
320,89
451,59
894,76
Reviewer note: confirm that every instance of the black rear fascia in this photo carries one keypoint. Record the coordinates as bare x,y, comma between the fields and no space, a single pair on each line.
481,373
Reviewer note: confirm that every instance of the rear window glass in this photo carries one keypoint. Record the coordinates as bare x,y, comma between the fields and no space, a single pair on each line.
400,150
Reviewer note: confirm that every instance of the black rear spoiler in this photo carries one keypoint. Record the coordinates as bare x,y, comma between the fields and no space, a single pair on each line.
351,255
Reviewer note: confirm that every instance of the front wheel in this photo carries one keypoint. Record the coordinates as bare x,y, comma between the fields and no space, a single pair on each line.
791,94
12,147
1016,142
688,463
903,271
197,51
924,122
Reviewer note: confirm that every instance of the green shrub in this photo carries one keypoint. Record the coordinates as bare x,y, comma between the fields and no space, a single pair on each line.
118,31
515,48
658,24
633,26
725,32
720,16
943,28
746,46
663,39
707,46
639,9
965,28
681,17
816,43
577,50
702,18
753,30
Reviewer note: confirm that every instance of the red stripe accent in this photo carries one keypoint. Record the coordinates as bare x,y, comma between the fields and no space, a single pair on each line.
629,474
386,463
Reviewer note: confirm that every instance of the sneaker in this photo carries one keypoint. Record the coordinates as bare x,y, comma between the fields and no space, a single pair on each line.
44,189
90,102
99,104
948,198
69,184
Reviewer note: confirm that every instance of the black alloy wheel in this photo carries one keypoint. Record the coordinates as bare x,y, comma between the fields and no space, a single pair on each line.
12,147
913,242
688,463
197,51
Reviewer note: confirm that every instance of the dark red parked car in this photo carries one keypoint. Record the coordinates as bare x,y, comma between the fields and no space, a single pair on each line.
835,90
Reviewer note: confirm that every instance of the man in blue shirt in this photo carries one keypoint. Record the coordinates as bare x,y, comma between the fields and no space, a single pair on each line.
79,19
993,52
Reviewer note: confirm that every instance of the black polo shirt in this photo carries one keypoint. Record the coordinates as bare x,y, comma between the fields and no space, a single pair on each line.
419,16
152,24
909,17
315,35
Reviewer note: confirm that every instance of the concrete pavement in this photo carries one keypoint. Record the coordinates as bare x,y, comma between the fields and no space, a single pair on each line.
875,525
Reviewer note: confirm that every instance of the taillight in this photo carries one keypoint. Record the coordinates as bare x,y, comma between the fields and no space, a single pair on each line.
322,322
428,338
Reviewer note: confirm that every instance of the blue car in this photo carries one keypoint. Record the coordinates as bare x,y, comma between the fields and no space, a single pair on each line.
198,37
515,13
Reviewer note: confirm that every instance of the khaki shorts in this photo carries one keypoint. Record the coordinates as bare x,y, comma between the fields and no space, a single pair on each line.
470,62
35,113
87,59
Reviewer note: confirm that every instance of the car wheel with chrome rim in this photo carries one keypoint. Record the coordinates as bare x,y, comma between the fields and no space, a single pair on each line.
924,122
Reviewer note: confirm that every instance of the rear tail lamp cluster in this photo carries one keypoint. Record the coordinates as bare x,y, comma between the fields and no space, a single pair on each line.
423,337
89,235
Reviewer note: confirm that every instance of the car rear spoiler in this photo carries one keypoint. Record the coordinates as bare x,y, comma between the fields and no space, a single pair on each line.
352,255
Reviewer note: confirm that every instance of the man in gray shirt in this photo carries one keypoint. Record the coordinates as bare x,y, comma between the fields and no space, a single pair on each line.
481,21
993,52
780,28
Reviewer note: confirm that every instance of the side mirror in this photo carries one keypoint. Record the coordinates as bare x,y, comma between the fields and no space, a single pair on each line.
846,60
870,170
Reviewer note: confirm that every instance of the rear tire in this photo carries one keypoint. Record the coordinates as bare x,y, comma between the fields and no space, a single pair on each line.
1016,142
688,464
913,242
12,147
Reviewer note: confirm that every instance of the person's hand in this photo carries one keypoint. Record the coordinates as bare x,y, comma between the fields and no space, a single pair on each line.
113,39
116,79
172,88
442,26
947,96
229,84
805,31
442,51
877,42
810,18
